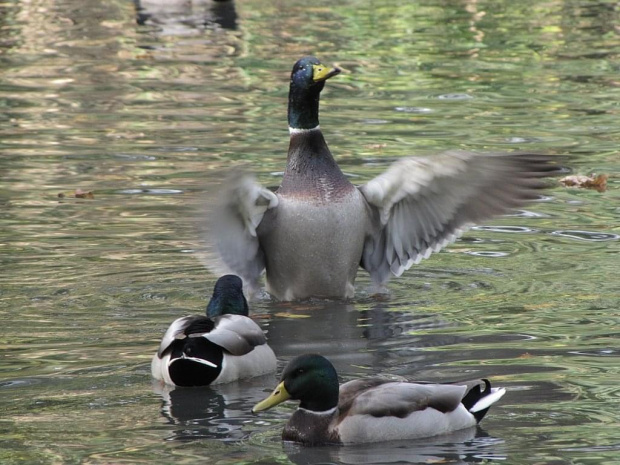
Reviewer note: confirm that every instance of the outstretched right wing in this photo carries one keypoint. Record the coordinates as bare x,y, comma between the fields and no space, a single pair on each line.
242,206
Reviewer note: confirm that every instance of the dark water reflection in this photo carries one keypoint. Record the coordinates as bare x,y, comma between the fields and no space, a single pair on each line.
218,412
186,18
472,445
146,103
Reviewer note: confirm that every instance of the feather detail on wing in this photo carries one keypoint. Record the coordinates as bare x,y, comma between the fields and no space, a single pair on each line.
423,204
236,334
179,329
243,204
381,398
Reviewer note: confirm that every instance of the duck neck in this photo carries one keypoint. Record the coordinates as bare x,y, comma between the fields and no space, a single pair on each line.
303,106
310,166
323,403
227,301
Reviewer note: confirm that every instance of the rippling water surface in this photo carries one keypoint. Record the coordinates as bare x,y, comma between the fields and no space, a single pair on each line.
146,105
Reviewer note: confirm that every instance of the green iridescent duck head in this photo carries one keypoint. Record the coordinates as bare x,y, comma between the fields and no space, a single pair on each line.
307,81
310,379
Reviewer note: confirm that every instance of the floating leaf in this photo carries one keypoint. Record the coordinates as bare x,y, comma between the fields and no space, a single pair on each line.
78,194
598,182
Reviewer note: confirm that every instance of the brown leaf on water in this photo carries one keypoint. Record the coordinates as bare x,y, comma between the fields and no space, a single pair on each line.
375,146
598,182
80,194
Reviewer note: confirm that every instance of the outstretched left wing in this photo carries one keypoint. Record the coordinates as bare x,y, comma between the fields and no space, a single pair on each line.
422,204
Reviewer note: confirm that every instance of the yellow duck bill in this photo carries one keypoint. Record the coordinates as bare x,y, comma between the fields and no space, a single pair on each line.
279,395
322,73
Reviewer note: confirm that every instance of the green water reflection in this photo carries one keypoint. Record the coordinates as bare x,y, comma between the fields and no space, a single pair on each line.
146,108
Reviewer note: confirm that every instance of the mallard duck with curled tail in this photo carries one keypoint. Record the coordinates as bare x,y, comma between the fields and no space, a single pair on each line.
223,346
317,229
373,409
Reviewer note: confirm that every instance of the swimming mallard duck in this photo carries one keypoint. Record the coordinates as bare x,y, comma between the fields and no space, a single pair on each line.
313,233
373,409
221,347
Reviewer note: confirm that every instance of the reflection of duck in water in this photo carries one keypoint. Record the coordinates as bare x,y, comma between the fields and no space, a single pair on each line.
221,347
470,445
214,412
185,17
381,336
373,409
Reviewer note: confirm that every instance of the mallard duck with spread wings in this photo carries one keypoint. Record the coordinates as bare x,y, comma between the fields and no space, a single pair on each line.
313,233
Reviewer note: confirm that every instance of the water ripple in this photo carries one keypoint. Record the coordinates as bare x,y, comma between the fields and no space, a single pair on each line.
414,109
18,383
505,229
522,140
527,214
128,156
150,191
455,97
595,353
375,121
489,253
586,235
593,448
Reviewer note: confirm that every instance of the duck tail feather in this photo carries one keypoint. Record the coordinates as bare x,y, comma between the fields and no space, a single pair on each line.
488,400
480,397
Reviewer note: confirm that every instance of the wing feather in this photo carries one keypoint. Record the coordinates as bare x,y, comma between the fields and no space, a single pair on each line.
380,398
242,206
423,204
236,334
178,329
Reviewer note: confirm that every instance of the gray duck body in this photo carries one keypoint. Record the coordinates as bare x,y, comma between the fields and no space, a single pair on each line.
318,209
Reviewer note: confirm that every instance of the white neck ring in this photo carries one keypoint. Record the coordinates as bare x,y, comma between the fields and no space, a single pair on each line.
324,412
302,131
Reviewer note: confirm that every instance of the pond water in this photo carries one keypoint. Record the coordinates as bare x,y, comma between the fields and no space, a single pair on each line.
148,105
